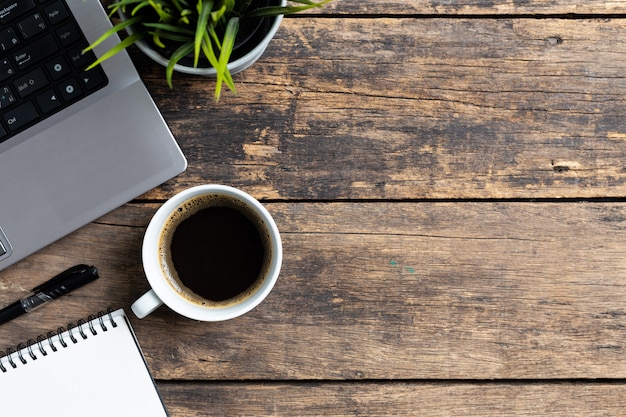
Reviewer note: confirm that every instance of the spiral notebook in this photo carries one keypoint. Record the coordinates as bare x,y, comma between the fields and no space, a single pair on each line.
93,368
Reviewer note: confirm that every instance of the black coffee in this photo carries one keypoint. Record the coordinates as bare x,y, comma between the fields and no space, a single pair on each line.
217,252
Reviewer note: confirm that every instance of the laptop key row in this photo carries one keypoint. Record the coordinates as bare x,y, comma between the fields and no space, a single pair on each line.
41,63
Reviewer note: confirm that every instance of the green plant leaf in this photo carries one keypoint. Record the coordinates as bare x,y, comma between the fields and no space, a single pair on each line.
216,15
169,28
229,5
140,6
213,35
156,39
203,20
117,48
184,16
162,11
179,54
178,6
115,7
209,52
278,10
227,49
115,29
172,37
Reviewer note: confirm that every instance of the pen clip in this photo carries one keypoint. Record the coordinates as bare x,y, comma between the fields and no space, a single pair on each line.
53,282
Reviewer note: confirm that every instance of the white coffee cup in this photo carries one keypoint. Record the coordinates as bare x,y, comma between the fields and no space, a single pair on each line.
165,286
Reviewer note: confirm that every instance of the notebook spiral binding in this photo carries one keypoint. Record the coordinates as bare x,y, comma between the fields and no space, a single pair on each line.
16,356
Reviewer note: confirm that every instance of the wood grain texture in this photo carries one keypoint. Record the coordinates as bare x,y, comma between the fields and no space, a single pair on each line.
380,291
466,7
377,133
397,399
472,7
412,109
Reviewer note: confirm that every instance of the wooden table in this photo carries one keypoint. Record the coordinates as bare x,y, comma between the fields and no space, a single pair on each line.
449,180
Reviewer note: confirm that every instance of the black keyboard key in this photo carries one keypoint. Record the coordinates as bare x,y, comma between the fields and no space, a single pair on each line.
30,83
13,9
48,101
57,68
8,39
92,79
6,97
56,13
80,60
6,69
20,116
69,34
35,52
70,90
32,26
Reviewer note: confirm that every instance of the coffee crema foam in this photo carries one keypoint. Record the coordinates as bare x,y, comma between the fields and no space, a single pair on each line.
187,209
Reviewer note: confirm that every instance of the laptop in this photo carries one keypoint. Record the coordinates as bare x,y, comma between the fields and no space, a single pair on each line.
74,145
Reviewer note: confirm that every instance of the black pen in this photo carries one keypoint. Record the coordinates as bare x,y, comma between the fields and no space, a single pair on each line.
66,281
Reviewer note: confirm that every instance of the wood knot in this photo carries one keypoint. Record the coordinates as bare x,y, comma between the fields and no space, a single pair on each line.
564,166
554,40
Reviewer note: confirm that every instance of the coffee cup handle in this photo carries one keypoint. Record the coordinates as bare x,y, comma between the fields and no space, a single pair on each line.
146,304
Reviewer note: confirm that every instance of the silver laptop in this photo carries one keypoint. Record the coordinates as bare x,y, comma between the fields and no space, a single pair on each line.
74,145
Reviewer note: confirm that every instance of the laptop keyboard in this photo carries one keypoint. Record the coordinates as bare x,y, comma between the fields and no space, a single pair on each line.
41,63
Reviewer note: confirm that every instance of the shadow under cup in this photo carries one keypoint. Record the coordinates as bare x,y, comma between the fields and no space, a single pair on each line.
210,253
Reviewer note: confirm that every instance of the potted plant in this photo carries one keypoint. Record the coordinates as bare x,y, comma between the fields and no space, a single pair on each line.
210,37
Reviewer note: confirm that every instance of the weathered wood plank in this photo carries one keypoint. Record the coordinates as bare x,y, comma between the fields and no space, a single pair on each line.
397,399
476,108
467,7
473,7
380,291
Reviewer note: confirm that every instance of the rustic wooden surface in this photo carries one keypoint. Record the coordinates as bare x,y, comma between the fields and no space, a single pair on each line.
448,178
407,108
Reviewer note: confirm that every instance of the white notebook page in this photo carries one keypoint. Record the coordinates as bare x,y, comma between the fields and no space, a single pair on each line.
103,375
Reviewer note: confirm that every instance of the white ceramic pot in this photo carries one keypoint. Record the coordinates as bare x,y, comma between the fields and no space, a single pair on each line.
234,67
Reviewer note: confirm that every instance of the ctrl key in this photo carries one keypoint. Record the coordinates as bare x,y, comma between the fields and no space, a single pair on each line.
20,116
